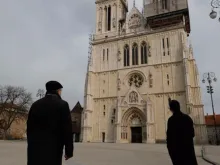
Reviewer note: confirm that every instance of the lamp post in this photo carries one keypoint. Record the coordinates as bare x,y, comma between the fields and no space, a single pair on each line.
210,77
40,93
215,4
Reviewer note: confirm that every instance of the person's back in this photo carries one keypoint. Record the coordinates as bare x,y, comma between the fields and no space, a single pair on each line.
49,128
45,119
180,134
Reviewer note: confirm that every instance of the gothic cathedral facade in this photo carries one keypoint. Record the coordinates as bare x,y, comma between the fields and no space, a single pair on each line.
137,61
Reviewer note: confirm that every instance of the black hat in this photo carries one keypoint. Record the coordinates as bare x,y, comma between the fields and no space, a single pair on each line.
174,105
53,86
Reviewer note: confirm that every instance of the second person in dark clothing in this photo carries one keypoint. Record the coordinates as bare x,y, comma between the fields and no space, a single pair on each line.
49,128
180,134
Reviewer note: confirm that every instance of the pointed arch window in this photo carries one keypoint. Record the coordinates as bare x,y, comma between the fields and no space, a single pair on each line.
135,54
100,14
107,54
106,18
144,53
168,80
103,55
100,19
164,4
168,46
109,18
114,111
103,110
126,56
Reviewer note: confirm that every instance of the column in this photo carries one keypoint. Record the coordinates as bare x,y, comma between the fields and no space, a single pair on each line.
118,133
150,133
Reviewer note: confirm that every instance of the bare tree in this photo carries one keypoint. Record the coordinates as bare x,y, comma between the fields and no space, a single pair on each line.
14,105
40,93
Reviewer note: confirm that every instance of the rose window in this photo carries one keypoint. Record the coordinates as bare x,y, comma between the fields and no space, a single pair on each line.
136,80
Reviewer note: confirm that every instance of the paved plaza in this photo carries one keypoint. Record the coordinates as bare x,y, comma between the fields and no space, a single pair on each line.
212,153
14,153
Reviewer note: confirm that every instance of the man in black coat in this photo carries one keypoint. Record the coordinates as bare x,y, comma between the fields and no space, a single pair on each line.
180,134
49,128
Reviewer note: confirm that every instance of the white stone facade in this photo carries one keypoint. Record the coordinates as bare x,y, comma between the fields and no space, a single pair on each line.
132,72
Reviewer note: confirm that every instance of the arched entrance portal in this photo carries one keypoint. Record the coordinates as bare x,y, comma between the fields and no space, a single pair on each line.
133,126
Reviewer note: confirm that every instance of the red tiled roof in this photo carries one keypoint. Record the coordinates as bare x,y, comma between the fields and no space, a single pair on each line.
8,105
210,120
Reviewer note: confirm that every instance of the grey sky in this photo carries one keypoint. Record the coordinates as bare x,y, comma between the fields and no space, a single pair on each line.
48,40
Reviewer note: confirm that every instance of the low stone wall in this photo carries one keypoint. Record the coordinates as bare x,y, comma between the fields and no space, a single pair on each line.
18,129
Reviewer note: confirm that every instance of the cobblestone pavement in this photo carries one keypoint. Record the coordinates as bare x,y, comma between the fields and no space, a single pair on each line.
12,153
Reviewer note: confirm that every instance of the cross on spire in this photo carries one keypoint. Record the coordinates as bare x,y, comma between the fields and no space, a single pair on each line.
134,3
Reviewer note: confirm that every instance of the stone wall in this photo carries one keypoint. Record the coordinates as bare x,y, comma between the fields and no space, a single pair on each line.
211,134
18,129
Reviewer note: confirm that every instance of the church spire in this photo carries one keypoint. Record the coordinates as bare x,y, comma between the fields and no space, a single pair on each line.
134,3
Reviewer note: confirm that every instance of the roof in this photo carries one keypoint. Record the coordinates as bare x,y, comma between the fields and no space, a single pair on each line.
210,120
77,108
9,105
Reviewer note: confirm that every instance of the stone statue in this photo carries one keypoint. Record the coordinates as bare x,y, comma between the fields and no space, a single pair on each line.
133,97
100,26
119,83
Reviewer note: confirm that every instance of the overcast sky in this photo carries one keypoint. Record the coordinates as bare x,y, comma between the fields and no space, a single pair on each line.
48,40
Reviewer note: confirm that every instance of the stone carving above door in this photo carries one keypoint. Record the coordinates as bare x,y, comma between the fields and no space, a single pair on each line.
132,97
136,121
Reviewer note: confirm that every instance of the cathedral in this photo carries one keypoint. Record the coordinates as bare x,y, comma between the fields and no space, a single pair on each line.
137,61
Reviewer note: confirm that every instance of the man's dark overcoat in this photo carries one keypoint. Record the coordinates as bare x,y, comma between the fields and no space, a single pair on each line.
49,129
180,134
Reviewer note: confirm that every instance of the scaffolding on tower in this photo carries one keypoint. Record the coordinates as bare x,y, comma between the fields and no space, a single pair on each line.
90,50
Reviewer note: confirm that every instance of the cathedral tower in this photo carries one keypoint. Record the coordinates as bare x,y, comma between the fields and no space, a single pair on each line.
137,61
109,15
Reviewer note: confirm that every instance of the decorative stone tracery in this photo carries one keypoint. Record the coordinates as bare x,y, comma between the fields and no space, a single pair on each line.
136,80
135,120
134,21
